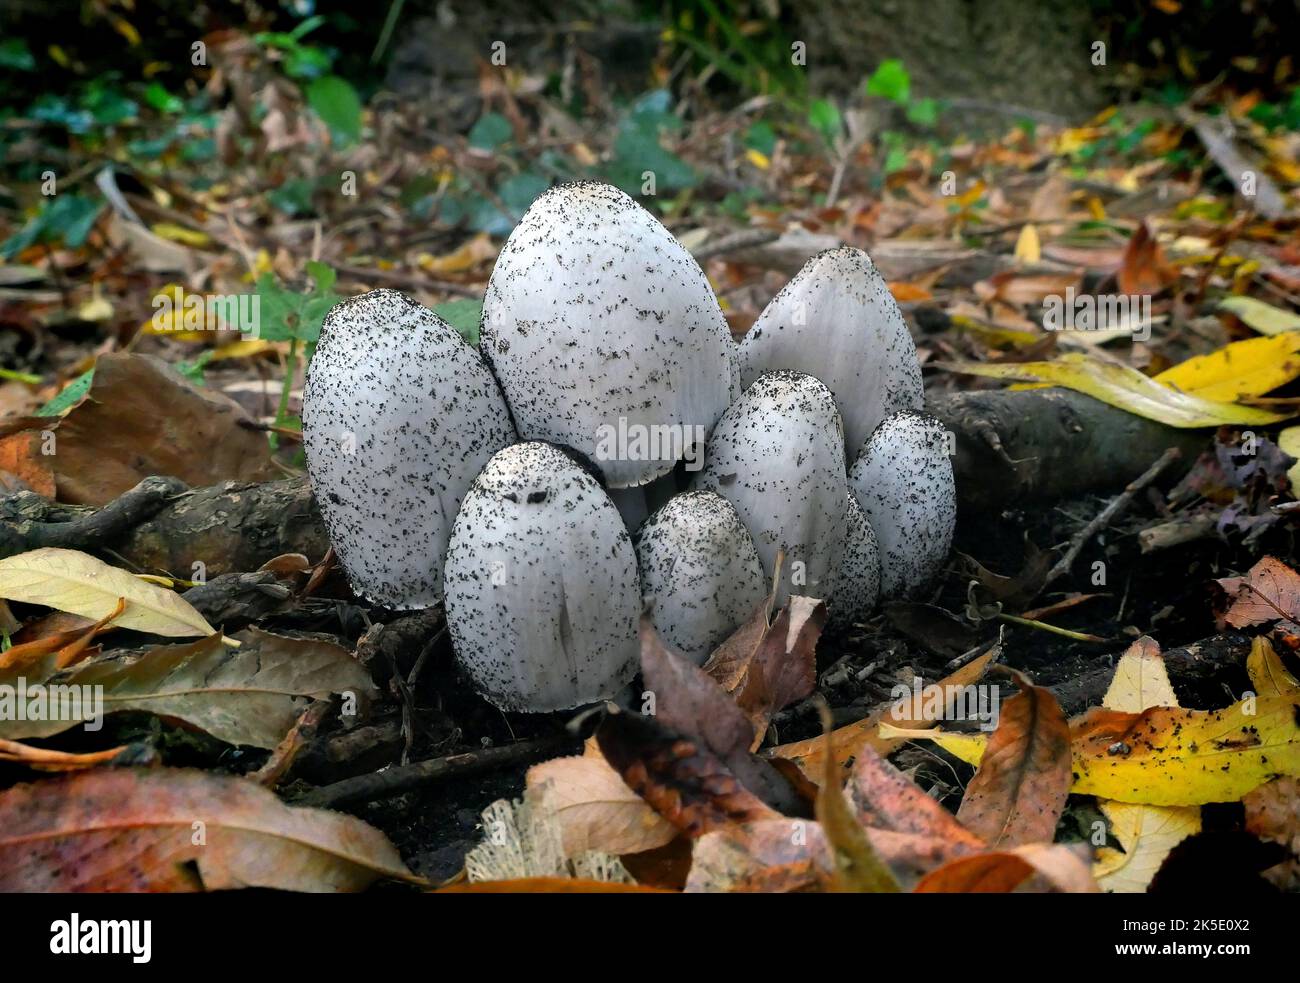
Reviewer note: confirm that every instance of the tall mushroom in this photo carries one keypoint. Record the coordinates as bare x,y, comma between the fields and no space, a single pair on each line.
904,483
856,585
777,455
605,334
398,416
541,584
700,572
837,321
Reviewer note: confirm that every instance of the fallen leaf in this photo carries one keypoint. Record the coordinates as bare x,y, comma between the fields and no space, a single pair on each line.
127,829
1267,673
595,808
1034,868
1148,834
1140,680
1028,248
1264,318
72,581
681,780
1019,790
1143,269
1270,591
884,798
1240,370
1122,387
1273,814
252,695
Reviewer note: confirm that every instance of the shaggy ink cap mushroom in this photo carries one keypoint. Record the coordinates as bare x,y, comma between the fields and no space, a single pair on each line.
399,414
837,321
699,571
541,584
604,331
777,455
904,482
856,585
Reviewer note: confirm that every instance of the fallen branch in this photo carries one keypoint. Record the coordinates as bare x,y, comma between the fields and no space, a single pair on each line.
403,778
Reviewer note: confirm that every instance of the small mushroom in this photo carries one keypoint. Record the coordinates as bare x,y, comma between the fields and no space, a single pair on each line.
777,455
605,334
856,585
903,481
837,321
541,584
398,416
700,570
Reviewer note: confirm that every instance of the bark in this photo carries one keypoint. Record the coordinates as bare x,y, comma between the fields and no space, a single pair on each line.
1018,447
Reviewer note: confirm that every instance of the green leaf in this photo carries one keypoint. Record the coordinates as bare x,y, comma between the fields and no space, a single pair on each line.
66,217
323,276
337,103
464,315
193,369
761,137
490,132
162,100
69,395
891,81
923,112
16,56
824,117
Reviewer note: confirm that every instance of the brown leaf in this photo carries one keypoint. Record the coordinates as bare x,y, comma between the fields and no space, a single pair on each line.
681,779
784,667
21,457
1143,269
1273,813
1270,591
128,829
1019,791
142,418
885,798
688,701
1015,287
858,868
595,808
730,661
1033,868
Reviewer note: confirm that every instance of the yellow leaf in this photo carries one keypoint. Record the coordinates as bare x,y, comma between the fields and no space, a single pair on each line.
1289,441
1028,247
1264,318
758,159
179,233
1240,370
1267,673
1140,680
1125,388
72,581
125,28
95,309
967,747
1172,756
1147,834
243,348
468,255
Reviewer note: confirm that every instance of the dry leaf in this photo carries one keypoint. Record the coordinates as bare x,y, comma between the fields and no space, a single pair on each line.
126,829
595,808
1036,868
1270,591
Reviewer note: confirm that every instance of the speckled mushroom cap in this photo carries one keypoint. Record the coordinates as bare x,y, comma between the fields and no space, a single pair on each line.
856,585
777,455
837,321
700,572
398,416
904,482
541,584
594,314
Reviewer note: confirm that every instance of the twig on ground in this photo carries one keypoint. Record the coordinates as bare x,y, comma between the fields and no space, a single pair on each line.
403,778
745,239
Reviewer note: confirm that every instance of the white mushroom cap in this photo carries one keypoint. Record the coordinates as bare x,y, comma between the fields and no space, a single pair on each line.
541,584
856,587
903,481
600,325
777,455
701,572
837,321
398,416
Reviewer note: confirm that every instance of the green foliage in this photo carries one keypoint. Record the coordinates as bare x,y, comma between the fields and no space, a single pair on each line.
335,101
490,132
742,42
16,56
66,218
69,395
1282,115
637,148
301,61
891,81
288,315
824,117
463,314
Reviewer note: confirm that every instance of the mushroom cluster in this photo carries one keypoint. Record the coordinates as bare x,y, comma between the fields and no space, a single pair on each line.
609,446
